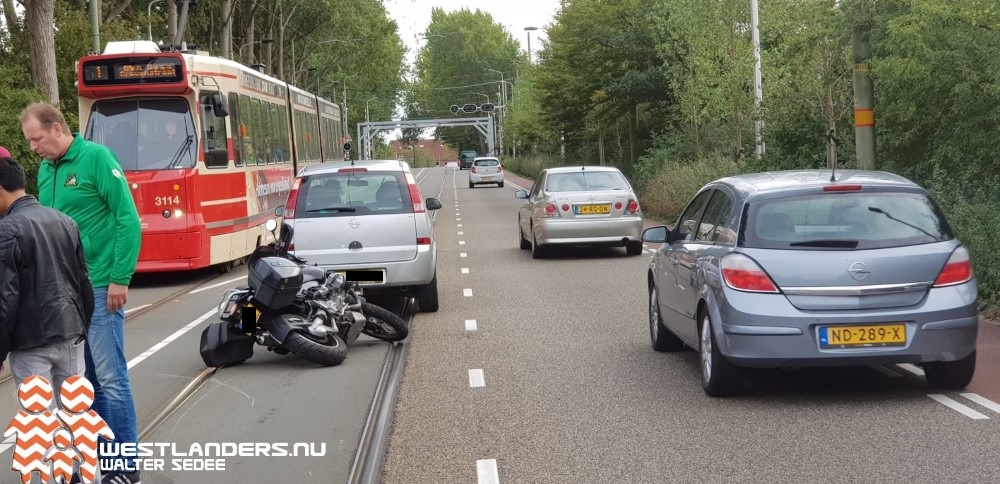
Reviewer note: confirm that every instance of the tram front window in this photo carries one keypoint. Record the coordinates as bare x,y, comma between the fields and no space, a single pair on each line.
145,134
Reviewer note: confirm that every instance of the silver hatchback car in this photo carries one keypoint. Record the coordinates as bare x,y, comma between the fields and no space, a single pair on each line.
369,221
579,205
792,269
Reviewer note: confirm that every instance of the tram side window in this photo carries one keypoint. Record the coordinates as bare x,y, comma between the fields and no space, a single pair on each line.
284,133
260,136
246,130
215,135
276,131
236,121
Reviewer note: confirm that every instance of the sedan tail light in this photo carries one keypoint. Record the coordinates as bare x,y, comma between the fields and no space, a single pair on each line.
632,207
550,210
957,270
743,274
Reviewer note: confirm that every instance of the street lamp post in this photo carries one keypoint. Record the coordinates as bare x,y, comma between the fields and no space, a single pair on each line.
757,89
262,41
529,30
149,15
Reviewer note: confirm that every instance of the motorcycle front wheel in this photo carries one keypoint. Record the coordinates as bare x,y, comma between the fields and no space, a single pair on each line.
330,352
383,324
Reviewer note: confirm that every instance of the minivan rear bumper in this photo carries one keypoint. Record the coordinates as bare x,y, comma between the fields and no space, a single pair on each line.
759,330
417,271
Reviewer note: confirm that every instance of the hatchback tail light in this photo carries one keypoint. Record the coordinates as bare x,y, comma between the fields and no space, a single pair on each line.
743,274
632,207
415,197
500,169
957,270
473,169
293,198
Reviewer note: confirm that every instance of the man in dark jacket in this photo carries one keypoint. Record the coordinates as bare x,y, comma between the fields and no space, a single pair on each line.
46,298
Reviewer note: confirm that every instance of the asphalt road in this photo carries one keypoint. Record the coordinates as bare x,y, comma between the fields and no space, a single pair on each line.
542,371
538,371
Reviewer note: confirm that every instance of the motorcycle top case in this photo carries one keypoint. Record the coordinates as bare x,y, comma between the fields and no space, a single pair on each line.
275,282
224,346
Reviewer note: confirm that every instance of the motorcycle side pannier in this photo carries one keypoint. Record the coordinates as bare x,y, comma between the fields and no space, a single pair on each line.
224,346
275,282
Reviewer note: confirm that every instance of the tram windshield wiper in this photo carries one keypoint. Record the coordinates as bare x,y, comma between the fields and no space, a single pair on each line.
333,209
179,155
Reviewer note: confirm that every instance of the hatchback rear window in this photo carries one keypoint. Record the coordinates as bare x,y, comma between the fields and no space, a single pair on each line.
352,194
844,221
586,181
487,162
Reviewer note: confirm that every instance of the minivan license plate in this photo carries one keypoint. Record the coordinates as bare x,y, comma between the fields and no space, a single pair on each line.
862,336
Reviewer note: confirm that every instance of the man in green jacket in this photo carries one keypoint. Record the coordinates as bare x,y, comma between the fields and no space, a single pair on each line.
85,181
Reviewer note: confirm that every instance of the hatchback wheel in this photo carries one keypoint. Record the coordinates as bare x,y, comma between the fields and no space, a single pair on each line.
471,185
633,248
719,377
661,338
951,375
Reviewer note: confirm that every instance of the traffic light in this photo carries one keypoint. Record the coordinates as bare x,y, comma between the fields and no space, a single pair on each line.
487,107
470,108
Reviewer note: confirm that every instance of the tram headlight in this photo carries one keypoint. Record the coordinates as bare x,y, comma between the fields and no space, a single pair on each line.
178,213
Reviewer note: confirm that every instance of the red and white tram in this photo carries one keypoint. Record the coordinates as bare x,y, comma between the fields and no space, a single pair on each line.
210,147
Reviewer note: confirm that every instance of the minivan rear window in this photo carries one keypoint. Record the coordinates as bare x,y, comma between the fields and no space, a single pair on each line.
353,194
844,221
586,181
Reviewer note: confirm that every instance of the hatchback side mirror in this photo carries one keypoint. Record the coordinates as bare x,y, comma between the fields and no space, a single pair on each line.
656,235
433,203
521,194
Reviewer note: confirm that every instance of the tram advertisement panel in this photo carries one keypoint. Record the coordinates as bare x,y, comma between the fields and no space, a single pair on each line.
269,188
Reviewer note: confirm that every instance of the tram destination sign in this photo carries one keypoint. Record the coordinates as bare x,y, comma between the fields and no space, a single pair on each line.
132,70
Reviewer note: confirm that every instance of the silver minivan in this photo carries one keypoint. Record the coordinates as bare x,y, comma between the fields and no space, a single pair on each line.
368,220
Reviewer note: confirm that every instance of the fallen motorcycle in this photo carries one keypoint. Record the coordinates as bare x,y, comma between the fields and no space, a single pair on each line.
289,306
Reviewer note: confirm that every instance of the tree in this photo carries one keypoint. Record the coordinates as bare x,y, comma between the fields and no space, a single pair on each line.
453,68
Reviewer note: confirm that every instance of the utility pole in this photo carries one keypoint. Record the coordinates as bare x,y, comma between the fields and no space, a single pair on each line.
864,98
758,91
95,24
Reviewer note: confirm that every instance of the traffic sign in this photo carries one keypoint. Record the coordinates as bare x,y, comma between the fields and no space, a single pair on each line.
454,109
470,108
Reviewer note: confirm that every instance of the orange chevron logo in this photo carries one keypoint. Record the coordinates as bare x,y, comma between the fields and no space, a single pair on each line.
50,442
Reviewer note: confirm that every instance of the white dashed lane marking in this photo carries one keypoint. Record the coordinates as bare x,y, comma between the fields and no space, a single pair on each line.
486,470
960,408
467,292
476,378
470,325
465,270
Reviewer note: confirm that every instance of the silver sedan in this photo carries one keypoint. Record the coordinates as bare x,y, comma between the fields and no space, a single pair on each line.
579,205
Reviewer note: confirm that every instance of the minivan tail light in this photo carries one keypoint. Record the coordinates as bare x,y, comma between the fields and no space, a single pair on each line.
842,188
293,198
957,270
743,274
415,196
423,241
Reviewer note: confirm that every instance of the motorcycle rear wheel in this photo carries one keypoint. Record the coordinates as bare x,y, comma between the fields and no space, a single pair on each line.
331,353
383,324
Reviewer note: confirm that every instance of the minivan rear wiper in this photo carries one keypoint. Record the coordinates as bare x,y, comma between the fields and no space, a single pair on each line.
333,209
826,243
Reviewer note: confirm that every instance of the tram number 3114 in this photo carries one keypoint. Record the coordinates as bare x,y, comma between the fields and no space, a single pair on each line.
168,200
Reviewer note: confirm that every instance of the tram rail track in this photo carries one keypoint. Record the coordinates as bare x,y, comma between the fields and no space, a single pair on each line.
143,310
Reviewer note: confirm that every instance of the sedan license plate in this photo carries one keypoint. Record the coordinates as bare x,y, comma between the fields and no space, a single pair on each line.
364,277
593,209
862,336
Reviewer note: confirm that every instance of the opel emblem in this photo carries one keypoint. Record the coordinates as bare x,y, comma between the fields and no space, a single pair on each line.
859,271
354,223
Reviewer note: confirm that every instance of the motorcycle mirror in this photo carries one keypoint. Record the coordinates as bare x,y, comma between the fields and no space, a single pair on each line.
271,224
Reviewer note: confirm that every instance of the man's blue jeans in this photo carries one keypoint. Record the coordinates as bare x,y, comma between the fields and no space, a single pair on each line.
107,371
